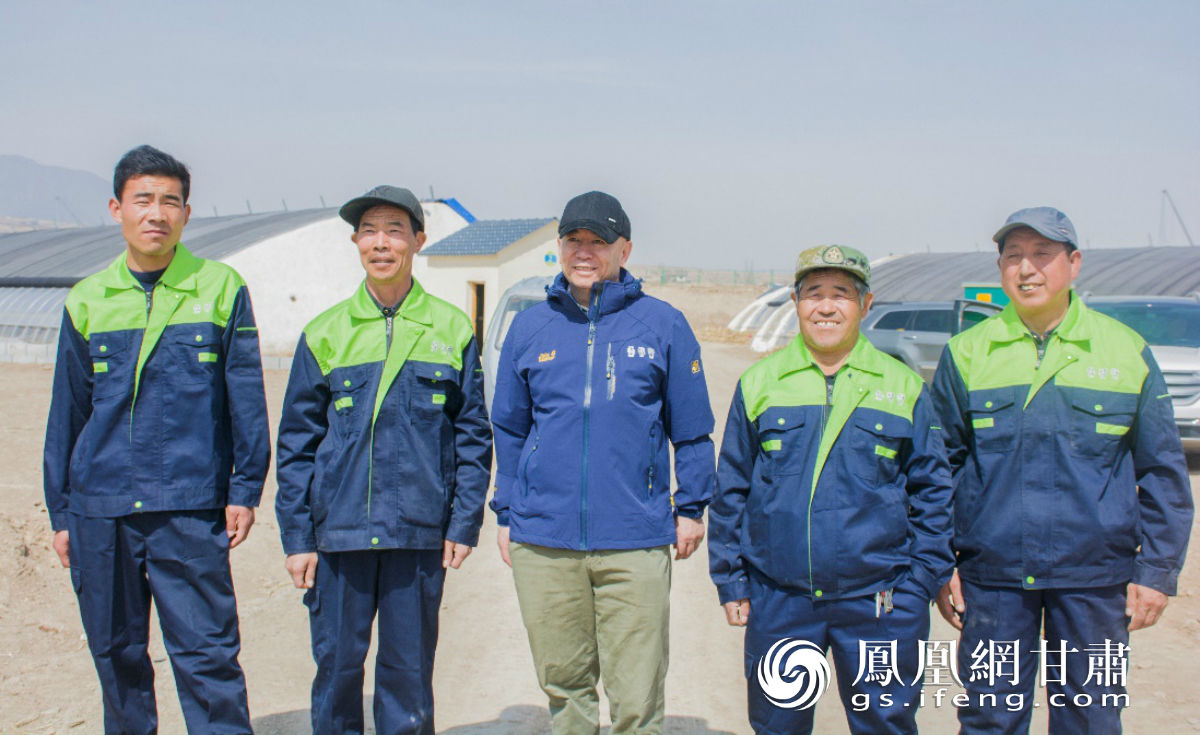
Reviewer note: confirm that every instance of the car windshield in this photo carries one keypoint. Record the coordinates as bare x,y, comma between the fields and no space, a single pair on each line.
1160,323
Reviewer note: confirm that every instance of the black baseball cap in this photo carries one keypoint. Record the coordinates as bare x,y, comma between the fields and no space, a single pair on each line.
596,212
353,210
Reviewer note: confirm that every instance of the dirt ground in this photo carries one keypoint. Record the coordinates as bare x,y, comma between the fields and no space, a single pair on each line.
484,680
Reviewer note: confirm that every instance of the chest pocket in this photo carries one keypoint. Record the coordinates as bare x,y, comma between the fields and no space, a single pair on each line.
1100,422
111,369
783,441
352,402
434,391
195,352
876,441
995,421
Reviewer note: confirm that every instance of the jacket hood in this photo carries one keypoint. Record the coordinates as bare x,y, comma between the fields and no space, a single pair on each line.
607,296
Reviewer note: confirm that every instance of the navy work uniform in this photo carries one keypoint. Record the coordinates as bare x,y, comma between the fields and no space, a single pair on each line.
832,517
385,451
157,422
1070,483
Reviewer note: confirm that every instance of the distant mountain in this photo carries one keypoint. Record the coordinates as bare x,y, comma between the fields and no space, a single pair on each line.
31,191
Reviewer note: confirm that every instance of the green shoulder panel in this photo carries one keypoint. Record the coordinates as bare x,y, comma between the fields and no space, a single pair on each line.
337,339
763,386
217,287
450,331
1113,361
979,355
893,388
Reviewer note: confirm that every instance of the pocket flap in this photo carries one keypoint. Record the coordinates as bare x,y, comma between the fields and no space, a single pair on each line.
986,404
434,372
781,418
201,336
883,425
343,381
1107,404
105,345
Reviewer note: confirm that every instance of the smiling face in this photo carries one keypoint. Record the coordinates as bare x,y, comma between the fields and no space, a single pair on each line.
387,245
829,311
1036,274
152,214
587,259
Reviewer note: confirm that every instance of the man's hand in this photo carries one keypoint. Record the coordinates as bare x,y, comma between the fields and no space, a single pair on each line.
62,547
737,612
1143,606
238,520
689,532
502,542
303,568
950,601
454,554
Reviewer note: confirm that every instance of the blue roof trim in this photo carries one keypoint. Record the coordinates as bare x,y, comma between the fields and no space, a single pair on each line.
462,211
486,237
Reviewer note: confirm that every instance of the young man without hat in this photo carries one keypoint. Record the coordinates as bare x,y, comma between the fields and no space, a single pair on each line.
157,447
830,528
592,386
384,459
1072,505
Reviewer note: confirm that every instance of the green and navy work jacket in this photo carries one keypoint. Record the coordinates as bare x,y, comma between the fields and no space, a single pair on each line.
834,496
158,399
1067,473
383,448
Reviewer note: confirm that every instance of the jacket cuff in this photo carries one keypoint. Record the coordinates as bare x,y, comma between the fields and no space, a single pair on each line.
691,510
921,578
298,542
463,533
738,589
243,495
1165,581
58,521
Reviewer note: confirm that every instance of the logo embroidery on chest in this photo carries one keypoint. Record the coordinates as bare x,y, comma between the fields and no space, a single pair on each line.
889,397
639,351
547,356
440,347
202,308
1103,373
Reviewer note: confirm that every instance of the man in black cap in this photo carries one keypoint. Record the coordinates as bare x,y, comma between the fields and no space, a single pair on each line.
384,459
583,489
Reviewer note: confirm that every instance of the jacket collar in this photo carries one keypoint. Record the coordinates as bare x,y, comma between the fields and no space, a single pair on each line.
607,296
416,305
180,274
862,357
1075,326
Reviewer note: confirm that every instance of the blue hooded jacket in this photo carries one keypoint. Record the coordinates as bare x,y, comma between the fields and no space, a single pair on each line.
585,405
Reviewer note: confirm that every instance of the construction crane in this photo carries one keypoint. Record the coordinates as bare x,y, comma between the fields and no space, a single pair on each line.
1168,200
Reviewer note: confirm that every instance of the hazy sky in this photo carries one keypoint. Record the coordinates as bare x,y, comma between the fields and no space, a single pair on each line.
732,132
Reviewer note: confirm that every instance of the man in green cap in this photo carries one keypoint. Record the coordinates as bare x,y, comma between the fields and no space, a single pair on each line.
830,527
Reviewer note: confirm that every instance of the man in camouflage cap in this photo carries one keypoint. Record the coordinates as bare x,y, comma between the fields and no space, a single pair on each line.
830,527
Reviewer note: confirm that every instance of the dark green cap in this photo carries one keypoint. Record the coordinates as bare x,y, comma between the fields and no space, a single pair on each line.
841,257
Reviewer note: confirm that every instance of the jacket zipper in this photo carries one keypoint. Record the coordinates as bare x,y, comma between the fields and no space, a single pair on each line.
610,373
132,401
825,411
650,472
388,313
587,418
537,438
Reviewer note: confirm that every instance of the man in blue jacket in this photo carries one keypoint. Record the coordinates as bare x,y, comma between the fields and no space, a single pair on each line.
1072,505
831,523
592,385
157,447
385,453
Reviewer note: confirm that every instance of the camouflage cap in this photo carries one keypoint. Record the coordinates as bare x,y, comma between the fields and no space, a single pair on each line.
833,256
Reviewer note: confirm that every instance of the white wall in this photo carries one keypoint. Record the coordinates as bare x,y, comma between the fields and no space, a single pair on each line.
296,275
449,276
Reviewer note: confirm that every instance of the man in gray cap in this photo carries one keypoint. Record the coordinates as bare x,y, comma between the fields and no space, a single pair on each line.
1072,505
385,454
593,385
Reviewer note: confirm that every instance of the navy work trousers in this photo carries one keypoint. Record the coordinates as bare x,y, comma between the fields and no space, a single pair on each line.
405,587
180,559
1084,697
886,704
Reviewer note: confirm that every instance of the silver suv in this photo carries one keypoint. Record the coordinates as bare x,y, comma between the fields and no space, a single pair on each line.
1171,326
914,332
